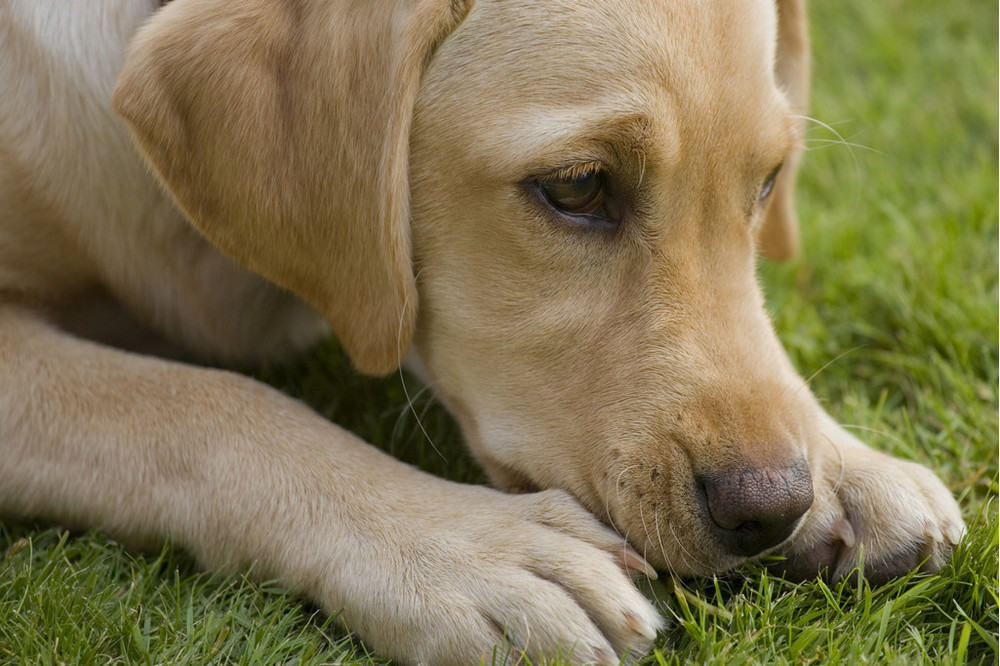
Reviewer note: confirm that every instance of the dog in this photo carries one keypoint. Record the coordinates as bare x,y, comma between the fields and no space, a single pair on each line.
549,211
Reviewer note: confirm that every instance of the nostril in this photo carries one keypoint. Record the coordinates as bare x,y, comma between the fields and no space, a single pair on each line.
753,509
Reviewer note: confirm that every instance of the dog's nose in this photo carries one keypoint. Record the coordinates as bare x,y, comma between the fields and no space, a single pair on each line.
755,508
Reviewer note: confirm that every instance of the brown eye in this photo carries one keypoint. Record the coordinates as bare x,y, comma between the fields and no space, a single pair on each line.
765,191
581,195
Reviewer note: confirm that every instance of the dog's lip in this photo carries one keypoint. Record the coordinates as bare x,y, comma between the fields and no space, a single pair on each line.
649,534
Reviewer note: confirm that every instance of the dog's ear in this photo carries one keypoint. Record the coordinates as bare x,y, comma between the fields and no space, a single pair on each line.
281,129
778,238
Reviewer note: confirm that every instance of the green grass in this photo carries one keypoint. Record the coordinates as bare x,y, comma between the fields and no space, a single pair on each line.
898,283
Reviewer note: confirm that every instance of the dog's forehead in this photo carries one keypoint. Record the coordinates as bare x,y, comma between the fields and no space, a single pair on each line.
560,63
586,47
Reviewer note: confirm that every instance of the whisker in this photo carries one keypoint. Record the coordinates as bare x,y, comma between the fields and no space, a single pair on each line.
836,142
645,529
420,424
618,480
625,537
614,527
406,391
684,551
829,128
832,361
840,139
607,512
642,166
401,410
840,455
804,386
428,404
618,496
648,541
875,431
663,551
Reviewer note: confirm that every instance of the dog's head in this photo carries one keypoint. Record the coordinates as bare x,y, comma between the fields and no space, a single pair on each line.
553,205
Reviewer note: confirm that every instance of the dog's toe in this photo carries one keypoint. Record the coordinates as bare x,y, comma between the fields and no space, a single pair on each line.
884,517
824,555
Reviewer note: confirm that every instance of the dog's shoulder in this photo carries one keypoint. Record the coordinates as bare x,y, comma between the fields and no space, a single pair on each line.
82,212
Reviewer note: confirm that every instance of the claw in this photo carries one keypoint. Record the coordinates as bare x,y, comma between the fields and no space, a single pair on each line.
636,624
635,561
843,531
605,658
932,531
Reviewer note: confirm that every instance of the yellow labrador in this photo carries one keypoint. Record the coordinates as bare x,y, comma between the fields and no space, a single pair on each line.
549,209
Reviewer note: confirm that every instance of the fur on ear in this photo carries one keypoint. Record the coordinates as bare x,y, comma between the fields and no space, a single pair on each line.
778,238
281,129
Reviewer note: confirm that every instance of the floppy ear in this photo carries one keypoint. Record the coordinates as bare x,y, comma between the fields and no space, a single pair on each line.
281,129
779,235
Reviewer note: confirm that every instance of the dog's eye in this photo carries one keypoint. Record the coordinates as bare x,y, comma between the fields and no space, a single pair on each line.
576,194
765,191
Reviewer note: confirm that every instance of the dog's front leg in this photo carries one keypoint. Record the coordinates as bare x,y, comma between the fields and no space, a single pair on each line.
424,569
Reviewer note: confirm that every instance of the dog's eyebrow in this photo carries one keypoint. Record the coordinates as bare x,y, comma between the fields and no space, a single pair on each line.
617,139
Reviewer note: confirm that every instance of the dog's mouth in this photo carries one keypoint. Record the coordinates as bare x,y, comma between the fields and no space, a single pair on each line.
685,516
700,524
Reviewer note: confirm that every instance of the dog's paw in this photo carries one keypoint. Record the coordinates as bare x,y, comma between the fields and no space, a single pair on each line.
481,575
888,514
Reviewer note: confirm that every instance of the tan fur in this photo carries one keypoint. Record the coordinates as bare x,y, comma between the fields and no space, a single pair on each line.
370,166
779,234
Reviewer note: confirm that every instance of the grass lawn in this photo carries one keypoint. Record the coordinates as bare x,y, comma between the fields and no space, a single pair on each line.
898,283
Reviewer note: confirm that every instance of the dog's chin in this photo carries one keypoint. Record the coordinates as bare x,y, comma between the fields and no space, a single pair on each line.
680,540
674,543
